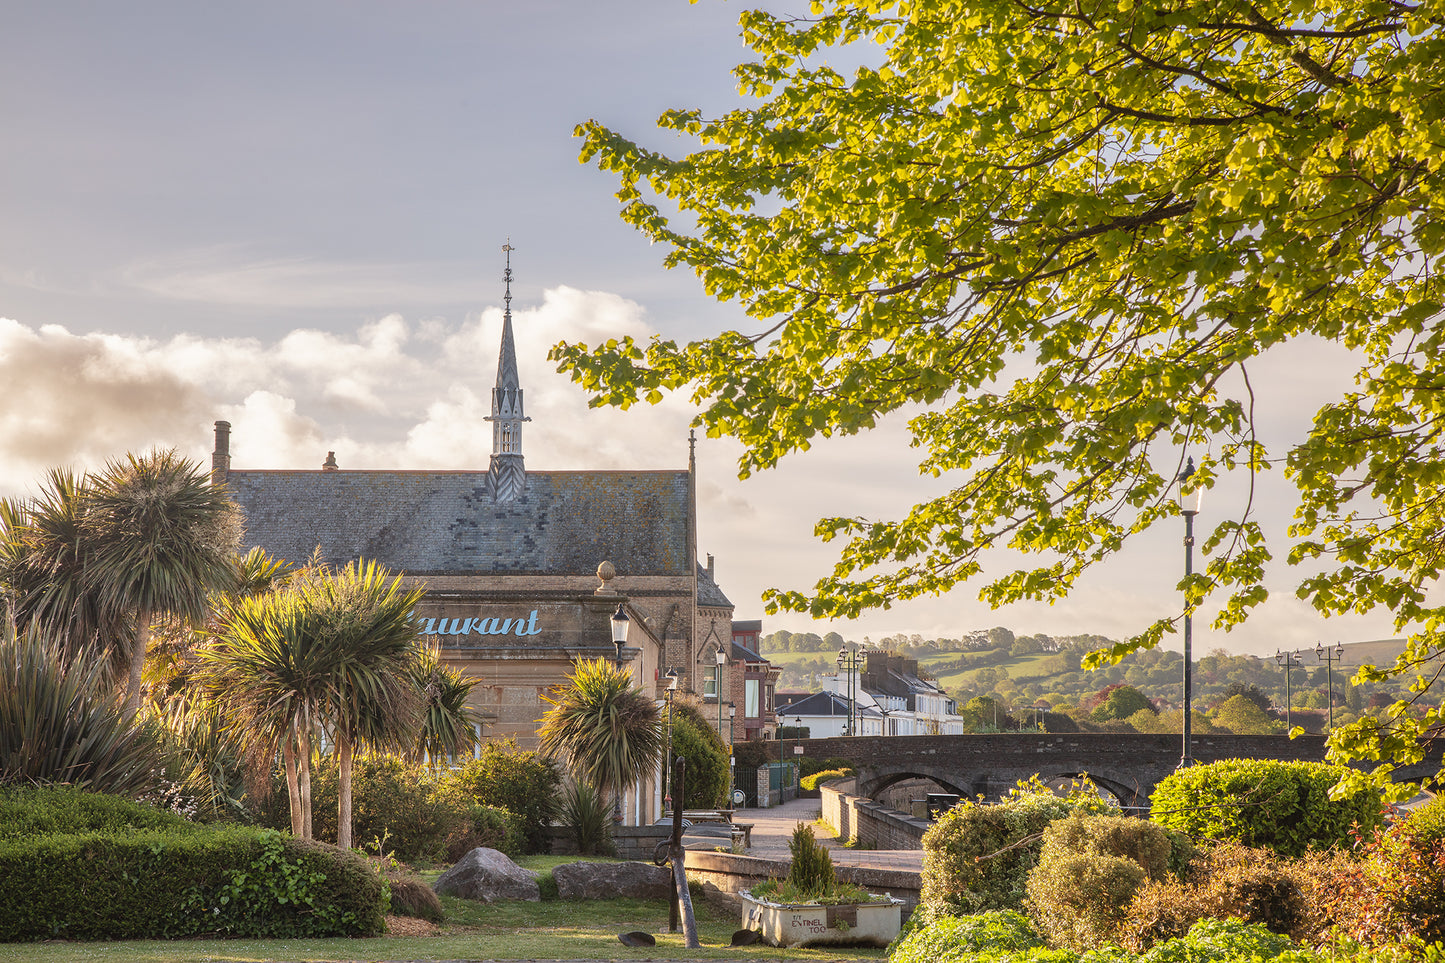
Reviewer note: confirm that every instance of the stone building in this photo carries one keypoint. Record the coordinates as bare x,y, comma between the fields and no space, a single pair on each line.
523,569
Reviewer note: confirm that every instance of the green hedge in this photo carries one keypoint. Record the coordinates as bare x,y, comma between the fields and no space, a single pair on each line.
59,810
1281,806
811,782
164,884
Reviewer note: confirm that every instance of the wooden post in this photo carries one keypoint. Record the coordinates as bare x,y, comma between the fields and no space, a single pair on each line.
679,861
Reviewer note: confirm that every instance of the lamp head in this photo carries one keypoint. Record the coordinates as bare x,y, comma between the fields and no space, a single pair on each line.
732,710
720,655
619,627
1190,497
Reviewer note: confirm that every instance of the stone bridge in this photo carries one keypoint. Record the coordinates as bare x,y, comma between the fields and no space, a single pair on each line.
1128,766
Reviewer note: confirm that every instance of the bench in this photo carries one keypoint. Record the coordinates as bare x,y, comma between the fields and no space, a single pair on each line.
705,816
743,832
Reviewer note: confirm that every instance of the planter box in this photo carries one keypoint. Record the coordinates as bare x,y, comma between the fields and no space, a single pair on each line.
812,924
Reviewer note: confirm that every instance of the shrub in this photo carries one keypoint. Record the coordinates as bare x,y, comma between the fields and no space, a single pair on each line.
588,817
1224,881
707,757
978,857
411,896
1397,891
163,884
962,939
1282,806
1089,869
486,826
812,868
818,778
524,783
60,723
417,815
1223,940
1077,900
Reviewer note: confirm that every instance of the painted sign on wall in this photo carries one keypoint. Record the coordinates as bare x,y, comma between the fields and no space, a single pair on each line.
482,626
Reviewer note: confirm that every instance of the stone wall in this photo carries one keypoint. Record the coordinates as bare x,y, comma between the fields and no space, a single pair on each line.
724,875
873,825
632,842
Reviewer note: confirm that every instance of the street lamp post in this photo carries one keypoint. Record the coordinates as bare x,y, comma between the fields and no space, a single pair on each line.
732,713
1329,657
722,660
672,677
619,631
1289,660
1189,501
849,661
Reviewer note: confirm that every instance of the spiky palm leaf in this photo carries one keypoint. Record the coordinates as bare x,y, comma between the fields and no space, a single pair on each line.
448,726
162,539
328,649
44,550
610,732
60,723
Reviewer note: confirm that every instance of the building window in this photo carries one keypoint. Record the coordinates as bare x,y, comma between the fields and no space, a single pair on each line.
709,685
750,698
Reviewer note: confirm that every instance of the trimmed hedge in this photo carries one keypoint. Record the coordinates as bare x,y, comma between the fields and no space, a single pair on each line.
64,810
1281,806
164,884
812,782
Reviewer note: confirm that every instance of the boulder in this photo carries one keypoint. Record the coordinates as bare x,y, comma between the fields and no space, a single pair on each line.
487,875
612,881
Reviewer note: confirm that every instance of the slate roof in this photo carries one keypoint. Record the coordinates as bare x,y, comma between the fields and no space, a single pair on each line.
823,704
708,593
438,522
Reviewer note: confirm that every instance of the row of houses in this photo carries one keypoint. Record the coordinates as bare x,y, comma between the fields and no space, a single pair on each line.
873,694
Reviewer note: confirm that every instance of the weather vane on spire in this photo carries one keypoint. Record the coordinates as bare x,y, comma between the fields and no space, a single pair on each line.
507,275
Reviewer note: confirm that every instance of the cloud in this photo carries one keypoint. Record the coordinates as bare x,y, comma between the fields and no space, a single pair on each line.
382,395
228,275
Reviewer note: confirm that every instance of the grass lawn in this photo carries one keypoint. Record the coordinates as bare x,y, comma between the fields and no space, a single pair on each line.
473,931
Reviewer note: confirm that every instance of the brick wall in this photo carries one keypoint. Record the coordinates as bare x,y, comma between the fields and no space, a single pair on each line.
874,826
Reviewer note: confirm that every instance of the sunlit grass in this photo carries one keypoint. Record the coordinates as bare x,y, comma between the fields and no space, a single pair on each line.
555,930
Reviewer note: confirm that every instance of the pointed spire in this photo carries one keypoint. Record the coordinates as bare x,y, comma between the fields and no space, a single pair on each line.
507,475
507,358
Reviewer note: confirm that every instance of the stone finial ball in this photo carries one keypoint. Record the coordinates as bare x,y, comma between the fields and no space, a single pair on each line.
606,571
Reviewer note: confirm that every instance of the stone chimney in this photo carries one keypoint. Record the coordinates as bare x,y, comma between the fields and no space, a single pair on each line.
221,455
709,568
330,463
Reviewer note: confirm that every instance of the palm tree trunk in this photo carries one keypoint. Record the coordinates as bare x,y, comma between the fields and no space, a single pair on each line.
343,789
303,776
293,785
139,644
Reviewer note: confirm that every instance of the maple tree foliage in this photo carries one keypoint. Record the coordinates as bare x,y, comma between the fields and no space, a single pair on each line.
1061,231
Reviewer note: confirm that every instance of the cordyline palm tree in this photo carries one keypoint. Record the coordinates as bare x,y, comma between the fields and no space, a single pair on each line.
610,733
328,650
44,549
270,677
162,538
449,726
365,617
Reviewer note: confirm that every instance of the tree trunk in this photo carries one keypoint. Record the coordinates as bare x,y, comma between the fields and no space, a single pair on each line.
293,784
303,751
139,644
343,790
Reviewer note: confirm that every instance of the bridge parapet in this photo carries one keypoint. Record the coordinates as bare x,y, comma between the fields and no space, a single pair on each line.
1127,765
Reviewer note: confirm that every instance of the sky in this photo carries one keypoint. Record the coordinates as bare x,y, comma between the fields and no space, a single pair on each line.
291,216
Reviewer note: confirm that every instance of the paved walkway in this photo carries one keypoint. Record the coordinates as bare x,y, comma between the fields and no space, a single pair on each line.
772,828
